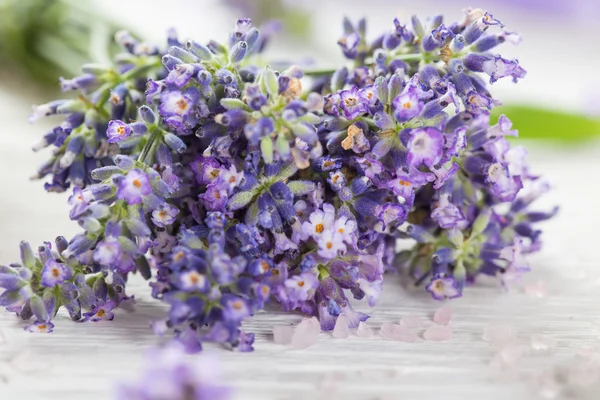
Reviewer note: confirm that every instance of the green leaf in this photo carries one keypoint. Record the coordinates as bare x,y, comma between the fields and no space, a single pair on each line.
234,104
300,188
539,123
239,200
252,214
286,171
266,149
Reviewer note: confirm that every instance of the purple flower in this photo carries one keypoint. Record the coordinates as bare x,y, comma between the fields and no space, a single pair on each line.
332,103
368,95
442,286
319,221
495,66
118,131
206,170
331,244
352,104
391,213
177,103
301,287
407,105
133,187
54,273
232,178
79,201
193,281
234,308
349,44
425,146
503,186
443,173
345,228
108,252
40,327
446,213
102,311
164,215
215,198
169,374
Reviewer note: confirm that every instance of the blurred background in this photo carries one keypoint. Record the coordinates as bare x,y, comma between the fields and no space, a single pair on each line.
557,106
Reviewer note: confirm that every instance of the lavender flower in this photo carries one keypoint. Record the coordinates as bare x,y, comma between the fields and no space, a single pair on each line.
169,375
234,186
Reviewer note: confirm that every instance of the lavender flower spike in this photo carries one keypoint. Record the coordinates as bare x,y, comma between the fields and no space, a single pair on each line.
228,185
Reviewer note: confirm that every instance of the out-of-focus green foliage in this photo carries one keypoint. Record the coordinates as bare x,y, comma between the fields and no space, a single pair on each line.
50,38
539,123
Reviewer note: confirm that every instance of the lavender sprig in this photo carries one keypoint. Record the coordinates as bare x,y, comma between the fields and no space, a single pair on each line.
234,186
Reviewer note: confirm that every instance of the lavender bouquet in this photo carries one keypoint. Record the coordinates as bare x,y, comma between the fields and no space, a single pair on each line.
228,184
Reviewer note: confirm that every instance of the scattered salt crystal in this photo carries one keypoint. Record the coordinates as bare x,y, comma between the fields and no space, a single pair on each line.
341,330
282,334
387,330
546,386
412,321
581,371
499,335
443,315
364,331
306,333
543,343
537,290
508,356
438,333
398,333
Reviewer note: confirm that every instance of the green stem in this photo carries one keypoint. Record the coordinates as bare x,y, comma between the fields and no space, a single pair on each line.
150,146
319,72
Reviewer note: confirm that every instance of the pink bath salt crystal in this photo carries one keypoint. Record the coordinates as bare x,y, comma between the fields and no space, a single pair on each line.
282,334
499,335
438,333
306,333
397,332
546,386
387,330
443,315
508,356
364,331
543,343
341,330
537,290
412,321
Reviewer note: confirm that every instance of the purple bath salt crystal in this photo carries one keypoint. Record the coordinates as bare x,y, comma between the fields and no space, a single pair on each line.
438,333
443,315
341,330
412,322
282,334
364,331
306,333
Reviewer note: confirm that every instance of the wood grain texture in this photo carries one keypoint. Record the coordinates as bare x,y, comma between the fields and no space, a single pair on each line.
84,360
